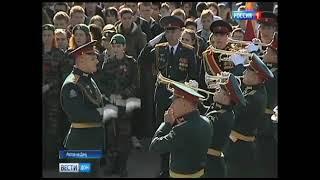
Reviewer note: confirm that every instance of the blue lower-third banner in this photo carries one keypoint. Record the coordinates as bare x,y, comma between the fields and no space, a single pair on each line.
80,154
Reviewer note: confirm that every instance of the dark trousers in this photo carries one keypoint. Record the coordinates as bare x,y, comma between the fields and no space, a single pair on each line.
215,167
118,148
241,159
51,138
162,104
267,156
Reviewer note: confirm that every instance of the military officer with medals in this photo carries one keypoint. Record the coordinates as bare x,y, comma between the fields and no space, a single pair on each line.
175,60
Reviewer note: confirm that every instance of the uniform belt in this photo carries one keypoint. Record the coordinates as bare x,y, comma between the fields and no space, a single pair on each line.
194,175
268,111
85,125
214,152
234,136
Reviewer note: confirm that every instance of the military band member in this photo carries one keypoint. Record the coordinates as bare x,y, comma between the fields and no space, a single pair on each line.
222,120
241,157
175,60
184,133
82,101
52,59
266,143
119,82
267,30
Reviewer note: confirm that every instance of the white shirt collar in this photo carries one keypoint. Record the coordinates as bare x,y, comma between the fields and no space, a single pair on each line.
174,48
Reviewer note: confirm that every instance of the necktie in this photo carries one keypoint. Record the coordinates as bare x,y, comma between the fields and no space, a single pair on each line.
172,51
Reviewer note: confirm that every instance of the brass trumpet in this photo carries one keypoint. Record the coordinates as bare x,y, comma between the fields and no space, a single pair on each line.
231,52
219,79
247,42
163,80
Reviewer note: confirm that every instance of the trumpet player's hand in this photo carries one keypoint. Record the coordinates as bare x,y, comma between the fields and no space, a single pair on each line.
253,47
237,59
168,116
256,41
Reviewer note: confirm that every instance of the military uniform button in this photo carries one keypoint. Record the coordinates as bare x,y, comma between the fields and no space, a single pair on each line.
170,67
169,76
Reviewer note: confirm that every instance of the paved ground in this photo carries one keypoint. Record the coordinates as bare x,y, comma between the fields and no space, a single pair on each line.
142,164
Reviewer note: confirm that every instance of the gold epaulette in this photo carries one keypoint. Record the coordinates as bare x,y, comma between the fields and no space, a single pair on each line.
162,44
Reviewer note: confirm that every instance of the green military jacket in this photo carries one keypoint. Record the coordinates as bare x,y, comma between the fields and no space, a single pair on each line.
181,67
221,120
51,68
119,76
248,118
267,126
187,143
80,97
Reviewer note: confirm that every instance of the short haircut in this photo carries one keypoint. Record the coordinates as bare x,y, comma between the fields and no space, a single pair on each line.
179,12
76,9
189,22
97,18
125,11
111,11
206,13
61,16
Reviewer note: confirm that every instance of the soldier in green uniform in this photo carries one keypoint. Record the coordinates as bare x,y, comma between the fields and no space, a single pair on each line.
220,32
241,153
184,133
119,83
175,60
266,143
222,120
52,59
82,101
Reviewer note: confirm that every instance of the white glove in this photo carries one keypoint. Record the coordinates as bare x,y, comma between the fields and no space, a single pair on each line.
192,83
253,47
132,104
210,81
114,98
120,102
109,111
156,40
45,88
237,59
274,117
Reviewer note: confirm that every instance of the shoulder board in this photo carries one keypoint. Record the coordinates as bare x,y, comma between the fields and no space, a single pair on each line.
73,78
187,45
251,92
162,44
